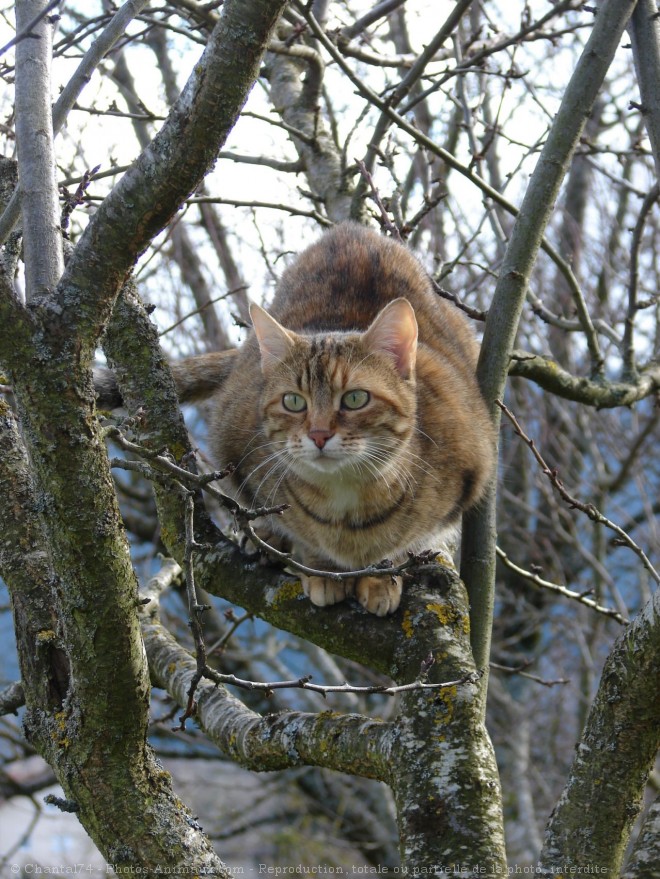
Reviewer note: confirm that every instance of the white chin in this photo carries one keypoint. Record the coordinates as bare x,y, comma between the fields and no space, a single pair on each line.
323,464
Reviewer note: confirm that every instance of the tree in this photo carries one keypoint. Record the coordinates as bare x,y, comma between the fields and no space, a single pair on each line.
330,72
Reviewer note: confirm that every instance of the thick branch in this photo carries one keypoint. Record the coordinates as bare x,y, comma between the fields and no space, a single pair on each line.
26,567
602,394
592,822
645,39
645,855
316,148
348,743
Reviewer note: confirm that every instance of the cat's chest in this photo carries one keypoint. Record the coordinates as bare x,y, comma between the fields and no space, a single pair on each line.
343,498
329,501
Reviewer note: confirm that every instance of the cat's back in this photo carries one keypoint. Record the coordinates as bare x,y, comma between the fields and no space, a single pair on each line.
341,282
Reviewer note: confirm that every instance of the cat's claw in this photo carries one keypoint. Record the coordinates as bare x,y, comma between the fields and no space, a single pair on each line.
322,591
379,595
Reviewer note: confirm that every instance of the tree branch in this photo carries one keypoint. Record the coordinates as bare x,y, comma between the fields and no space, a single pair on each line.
561,590
602,394
645,38
42,240
622,537
447,157
592,821
347,743
646,850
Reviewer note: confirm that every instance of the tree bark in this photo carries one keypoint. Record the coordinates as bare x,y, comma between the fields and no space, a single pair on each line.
592,822
42,240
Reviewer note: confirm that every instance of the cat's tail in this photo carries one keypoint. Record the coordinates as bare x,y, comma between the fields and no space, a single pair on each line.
196,378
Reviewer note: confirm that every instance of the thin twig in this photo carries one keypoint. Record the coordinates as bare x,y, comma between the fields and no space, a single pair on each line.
428,144
237,203
304,683
561,590
628,349
26,32
474,313
386,221
202,307
195,609
622,537
520,670
219,645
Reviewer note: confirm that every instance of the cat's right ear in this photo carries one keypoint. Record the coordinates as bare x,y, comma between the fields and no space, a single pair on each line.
274,341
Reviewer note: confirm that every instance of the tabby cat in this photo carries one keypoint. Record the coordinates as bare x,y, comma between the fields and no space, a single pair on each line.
354,402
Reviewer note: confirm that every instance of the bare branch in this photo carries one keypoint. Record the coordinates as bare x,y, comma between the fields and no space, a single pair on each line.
534,578
645,39
42,241
628,349
295,212
478,542
351,743
27,31
623,538
380,10
11,699
626,711
602,394
434,149
646,849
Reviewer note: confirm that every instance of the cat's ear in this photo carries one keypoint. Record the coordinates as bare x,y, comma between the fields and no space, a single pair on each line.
274,341
394,332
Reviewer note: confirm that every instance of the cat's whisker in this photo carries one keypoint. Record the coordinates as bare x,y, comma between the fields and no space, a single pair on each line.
414,460
403,478
426,436
272,496
274,456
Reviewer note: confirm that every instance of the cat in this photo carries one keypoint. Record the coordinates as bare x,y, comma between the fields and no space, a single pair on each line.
355,402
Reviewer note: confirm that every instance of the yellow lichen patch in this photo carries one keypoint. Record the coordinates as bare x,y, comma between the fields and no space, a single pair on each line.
58,733
178,450
445,560
447,696
445,613
407,624
288,591
45,636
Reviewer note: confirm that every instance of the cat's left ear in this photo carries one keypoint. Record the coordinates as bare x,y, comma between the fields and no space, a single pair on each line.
394,332
274,341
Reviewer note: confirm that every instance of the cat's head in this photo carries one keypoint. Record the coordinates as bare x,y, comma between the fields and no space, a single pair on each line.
340,403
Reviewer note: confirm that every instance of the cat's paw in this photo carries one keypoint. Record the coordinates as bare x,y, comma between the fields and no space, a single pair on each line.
379,595
322,591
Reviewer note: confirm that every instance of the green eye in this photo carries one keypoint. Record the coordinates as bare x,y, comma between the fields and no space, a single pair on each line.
355,399
294,402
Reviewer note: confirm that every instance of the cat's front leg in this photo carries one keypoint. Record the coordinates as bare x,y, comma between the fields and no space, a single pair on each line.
379,595
322,591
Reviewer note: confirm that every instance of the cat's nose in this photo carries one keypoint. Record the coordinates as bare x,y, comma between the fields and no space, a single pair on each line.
320,436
